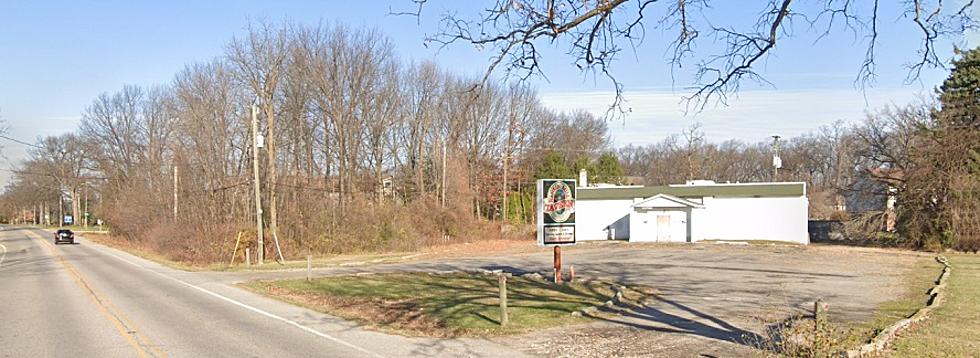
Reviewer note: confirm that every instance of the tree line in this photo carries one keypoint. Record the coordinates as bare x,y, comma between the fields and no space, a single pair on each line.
364,151
361,150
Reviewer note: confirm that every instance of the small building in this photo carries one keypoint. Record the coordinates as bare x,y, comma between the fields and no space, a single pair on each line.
696,211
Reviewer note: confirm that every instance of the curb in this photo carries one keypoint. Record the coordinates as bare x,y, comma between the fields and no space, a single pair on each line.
886,336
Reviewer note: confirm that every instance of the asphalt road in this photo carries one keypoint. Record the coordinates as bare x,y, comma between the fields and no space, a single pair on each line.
88,300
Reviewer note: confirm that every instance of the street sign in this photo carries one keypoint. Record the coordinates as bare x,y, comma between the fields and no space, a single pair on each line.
69,220
556,212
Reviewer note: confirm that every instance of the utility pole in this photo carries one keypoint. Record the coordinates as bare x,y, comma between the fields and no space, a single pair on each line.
273,175
444,144
260,255
503,211
85,214
776,161
176,183
510,140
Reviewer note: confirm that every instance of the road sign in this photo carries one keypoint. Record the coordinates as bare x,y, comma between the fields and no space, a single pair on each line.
556,211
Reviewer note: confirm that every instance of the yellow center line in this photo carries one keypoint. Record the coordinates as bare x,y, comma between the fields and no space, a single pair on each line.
123,324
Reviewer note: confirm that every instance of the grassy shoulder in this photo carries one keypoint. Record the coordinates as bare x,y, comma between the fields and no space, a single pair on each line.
919,278
106,240
352,259
952,328
441,305
805,337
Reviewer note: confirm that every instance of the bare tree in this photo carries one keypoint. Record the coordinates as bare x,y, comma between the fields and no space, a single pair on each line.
594,33
261,61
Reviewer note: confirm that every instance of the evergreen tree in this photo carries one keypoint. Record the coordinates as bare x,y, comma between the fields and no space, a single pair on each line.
607,170
955,153
938,208
554,166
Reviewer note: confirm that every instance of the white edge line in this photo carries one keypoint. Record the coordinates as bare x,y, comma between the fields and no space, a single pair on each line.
245,306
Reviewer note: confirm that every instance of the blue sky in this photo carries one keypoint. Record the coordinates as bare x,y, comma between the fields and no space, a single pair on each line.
57,56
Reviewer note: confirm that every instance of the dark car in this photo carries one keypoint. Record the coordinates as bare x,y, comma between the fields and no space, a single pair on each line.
64,236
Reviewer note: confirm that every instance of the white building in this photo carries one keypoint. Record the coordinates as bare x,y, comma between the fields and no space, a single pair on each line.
696,211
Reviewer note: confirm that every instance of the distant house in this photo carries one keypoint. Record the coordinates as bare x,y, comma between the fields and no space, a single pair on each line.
696,211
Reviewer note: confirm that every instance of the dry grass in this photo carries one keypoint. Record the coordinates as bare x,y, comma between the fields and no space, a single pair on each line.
441,305
802,336
954,326
314,227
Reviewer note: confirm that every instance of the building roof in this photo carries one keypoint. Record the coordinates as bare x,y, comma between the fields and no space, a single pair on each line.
666,200
781,189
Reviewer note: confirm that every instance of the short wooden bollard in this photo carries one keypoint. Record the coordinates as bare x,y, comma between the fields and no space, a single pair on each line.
502,280
309,266
820,309
571,273
248,259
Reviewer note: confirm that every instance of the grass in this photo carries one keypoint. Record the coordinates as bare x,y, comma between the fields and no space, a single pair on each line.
952,329
338,260
270,265
919,278
91,227
801,337
122,245
441,305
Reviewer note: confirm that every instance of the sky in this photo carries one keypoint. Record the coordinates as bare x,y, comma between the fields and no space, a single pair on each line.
57,56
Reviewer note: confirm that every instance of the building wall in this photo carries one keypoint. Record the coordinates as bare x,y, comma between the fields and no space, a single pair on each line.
777,219
593,217
649,231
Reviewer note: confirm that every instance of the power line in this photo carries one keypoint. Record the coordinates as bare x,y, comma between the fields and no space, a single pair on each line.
18,141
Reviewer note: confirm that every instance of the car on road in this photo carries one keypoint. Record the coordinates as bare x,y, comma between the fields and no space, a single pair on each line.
64,236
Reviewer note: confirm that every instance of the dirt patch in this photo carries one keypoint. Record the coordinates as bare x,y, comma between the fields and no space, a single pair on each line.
604,340
482,248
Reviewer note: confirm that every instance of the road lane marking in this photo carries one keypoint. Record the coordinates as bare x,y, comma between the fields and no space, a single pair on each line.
123,325
246,306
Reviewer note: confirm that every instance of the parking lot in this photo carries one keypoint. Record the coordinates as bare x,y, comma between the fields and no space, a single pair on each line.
715,299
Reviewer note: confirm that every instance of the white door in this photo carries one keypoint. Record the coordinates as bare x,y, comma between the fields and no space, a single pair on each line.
663,227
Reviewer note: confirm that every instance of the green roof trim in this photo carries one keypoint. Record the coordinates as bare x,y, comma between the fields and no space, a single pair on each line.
718,190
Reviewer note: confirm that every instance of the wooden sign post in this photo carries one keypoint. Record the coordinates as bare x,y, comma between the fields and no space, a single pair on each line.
556,216
557,264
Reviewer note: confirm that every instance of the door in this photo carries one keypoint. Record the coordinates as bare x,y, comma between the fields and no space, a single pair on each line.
663,228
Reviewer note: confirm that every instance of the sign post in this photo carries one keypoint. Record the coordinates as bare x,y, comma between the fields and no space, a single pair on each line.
556,216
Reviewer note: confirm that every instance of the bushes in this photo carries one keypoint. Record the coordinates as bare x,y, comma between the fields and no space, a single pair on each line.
368,227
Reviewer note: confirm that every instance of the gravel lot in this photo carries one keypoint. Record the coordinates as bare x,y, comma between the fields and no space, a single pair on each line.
716,299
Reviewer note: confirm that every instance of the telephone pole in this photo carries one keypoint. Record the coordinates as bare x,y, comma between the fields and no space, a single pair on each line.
256,184
776,161
510,139
175,194
444,173
85,214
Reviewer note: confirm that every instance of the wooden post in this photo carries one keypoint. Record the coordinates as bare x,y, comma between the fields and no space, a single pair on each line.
248,259
819,321
820,310
257,185
571,273
557,264
309,266
502,280
238,241
176,189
